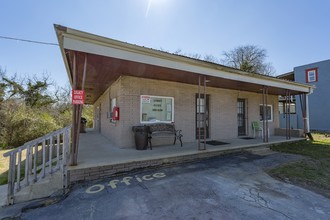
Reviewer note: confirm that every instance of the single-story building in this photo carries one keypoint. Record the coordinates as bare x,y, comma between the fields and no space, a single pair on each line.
147,86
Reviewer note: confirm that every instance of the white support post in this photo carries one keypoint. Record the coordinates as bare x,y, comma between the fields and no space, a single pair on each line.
43,159
11,178
58,151
27,166
50,154
19,160
307,115
35,155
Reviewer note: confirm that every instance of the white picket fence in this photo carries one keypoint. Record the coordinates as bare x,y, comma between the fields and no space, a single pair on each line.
38,158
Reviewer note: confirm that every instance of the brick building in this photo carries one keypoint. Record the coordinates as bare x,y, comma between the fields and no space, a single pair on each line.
150,86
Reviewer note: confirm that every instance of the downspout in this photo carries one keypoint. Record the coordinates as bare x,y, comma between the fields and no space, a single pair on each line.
306,119
307,110
307,115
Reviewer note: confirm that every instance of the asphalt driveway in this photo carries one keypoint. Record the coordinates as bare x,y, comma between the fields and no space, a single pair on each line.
227,187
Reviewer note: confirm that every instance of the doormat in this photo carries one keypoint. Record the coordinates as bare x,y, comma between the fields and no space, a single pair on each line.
215,143
247,138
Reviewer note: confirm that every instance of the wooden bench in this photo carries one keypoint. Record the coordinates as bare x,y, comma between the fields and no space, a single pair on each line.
163,130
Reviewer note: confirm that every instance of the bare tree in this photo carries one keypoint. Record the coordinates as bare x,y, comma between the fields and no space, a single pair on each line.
210,58
249,58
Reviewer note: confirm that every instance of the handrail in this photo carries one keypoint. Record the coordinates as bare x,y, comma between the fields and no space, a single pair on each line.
36,159
37,140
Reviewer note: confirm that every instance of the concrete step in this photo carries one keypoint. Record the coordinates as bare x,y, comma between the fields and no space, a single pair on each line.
261,151
44,188
3,195
41,189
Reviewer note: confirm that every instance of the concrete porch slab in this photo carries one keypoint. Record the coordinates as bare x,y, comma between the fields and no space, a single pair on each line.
99,158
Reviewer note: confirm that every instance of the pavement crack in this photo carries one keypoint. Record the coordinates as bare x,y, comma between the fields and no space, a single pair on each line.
254,196
92,210
144,187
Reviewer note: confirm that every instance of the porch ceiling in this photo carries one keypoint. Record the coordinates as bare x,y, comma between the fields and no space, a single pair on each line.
108,59
102,71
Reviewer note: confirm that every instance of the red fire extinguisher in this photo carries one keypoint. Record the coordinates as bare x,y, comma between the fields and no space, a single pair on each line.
115,113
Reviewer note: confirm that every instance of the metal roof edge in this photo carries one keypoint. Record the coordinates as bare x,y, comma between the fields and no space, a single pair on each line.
109,42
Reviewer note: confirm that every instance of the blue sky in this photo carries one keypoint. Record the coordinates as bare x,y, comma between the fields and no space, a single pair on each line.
294,32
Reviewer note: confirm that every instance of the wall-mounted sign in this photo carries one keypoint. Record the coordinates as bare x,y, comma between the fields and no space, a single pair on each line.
145,99
78,97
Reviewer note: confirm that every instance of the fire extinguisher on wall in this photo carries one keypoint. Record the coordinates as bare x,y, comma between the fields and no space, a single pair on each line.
115,113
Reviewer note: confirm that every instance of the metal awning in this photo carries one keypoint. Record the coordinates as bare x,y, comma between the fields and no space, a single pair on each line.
109,59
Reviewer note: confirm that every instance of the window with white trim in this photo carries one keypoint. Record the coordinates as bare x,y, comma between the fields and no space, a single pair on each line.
292,106
269,110
311,75
156,109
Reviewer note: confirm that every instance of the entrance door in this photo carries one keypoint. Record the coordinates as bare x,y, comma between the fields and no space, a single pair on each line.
204,112
241,117
98,118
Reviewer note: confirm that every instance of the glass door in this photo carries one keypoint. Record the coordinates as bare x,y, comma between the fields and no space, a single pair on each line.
203,109
241,117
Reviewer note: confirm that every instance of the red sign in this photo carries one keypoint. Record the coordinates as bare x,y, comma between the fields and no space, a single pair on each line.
78,97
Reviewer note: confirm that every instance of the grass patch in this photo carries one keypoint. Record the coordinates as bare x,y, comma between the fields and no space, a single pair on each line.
4,165
4,162
313,172
317,149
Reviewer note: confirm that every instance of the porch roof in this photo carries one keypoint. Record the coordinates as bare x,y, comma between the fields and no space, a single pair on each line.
108,59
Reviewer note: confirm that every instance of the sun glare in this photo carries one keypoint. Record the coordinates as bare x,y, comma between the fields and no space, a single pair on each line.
154,3
148,7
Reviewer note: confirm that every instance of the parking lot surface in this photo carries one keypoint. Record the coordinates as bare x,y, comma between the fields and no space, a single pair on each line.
227,187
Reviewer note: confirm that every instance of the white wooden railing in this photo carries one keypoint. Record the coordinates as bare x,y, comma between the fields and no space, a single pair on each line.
36,159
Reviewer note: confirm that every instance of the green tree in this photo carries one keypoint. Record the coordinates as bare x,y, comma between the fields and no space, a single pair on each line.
88,113
35,92
23,124
30,108
2,87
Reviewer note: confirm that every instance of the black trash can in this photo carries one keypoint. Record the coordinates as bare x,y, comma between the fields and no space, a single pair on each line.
141,137
83,122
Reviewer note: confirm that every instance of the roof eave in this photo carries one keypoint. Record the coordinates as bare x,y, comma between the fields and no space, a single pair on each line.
205,68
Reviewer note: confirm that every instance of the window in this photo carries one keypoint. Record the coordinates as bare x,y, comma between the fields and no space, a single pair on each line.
291,104
269,109
311,75
156,109
113,104
281,107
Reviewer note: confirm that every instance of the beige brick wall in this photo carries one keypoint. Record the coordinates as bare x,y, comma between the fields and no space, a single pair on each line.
108,129
223,112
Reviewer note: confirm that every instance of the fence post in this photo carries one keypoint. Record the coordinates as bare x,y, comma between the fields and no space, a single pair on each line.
50,154
43,159
35,155
64,159
27,166
58,151
11,178
19,169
